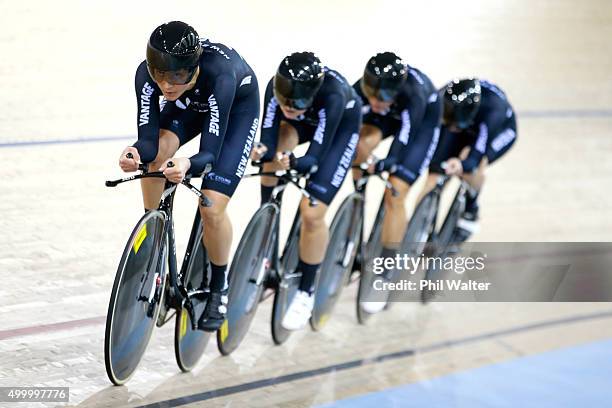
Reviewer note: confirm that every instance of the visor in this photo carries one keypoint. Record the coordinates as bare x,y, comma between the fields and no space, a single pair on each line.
382,94
178,77
299,103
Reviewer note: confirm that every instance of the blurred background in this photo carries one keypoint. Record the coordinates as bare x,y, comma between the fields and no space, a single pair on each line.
69,109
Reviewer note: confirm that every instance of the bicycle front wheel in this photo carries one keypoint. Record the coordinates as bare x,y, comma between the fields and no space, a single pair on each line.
135,298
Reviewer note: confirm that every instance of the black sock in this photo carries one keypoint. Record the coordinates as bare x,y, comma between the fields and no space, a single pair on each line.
471,201
309,273
266,193
218,278
388,252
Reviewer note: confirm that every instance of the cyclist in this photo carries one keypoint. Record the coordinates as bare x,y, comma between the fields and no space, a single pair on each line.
306,102
479,126
207,88
399,101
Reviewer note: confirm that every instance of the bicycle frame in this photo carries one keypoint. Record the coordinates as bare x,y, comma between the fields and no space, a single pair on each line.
285,179
360,192
179,295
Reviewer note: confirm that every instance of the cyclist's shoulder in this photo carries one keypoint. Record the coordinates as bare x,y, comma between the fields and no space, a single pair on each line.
335,87
494,106
144,82
416,92
492,93
217,55
142,73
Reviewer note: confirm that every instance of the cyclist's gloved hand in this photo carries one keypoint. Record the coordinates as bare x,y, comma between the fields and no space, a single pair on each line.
129,164
453,167
259,151
387,164
304,165
176,173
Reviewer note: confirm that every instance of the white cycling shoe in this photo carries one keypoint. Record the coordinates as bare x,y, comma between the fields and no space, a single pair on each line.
299,311
373,307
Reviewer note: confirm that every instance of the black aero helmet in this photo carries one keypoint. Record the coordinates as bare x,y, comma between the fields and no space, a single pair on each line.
461,102
383,76
297,80
173,47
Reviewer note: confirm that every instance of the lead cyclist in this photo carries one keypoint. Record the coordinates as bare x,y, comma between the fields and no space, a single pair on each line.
207,89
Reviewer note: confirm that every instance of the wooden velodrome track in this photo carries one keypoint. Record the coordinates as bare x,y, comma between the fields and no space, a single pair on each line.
68,74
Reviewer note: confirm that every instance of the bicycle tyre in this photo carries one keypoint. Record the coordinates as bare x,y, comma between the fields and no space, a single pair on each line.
123,351
288,285
443,239
419,231
189,343
373,248
338,260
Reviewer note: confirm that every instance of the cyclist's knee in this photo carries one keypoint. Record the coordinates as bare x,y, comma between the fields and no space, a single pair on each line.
312,217
364,149
394,203
479,174
215,214
369,137
401,188
288,137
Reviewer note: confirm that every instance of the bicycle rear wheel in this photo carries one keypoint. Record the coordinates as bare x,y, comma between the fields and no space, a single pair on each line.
344,236
373,249
446,236
189,343
250,265
135,298
443,241
419,231
288,285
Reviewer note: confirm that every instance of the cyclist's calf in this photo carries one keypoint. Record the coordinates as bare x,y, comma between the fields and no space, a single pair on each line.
217,227
314,234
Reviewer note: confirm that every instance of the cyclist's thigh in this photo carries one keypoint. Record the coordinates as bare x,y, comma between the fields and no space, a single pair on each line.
305,132
326,181
502,142
184,123
169,143
236,148
288,137
387,125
